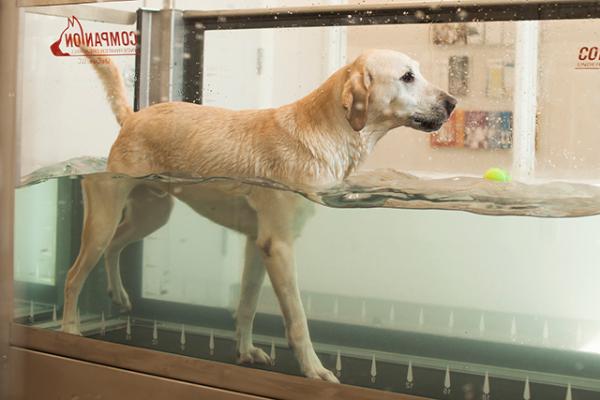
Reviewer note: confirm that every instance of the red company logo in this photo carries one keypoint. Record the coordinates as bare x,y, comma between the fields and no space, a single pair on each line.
588,58
103,43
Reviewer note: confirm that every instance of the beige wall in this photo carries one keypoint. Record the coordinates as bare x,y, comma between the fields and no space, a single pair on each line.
569,103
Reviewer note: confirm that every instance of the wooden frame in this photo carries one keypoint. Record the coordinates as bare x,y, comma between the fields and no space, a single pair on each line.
208,373
8,73
72,378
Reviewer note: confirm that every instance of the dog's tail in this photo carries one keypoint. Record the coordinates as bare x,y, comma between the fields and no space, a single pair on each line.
113,84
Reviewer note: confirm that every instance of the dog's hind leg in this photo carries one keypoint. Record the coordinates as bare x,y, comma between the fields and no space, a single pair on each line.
104,198
146,211
252,280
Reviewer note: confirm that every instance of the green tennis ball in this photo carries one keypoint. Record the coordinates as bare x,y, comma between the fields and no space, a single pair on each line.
497,174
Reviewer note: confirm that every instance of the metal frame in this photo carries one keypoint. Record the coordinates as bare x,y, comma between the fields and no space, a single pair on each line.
422,3
159,60
36,3
90,13
399,13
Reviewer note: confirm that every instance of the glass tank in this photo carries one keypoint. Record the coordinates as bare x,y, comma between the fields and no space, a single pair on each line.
453,255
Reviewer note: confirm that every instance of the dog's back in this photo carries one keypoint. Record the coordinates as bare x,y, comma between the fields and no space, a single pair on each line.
197,140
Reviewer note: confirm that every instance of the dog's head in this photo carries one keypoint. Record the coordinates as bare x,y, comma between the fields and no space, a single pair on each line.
385,89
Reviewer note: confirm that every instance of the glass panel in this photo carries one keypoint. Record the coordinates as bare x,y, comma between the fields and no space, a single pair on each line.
36,216
403,291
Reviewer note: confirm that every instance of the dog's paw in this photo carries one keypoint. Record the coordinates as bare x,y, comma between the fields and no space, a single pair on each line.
323,374
73,329
254,355
120,298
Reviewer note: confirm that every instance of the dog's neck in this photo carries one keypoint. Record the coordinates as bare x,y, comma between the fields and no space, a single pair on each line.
335,147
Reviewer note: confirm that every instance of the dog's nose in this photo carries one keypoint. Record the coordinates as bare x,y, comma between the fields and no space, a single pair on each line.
449,104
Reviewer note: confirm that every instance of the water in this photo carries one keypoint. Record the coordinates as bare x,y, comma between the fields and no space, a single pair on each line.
394,189
382,284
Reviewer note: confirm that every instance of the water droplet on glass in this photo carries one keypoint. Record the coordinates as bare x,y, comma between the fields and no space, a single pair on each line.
482,325
155,334
336,308
273,354
526,390
182,339
31,313
102,325
128,329
513,329
409,376
446,390
569,395
486,387
338,364
211,343
373,369
363,311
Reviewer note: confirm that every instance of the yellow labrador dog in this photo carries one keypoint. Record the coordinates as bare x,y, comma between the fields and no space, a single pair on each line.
319,140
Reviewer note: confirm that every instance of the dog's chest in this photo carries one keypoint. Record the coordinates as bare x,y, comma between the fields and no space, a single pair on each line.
358,147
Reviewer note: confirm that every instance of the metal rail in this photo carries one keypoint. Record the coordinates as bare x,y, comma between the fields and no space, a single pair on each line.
400,13
88,13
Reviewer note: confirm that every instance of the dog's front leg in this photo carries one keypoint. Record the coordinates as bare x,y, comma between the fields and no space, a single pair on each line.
276,216
278,258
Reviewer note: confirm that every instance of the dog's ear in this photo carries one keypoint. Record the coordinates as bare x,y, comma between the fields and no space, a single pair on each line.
355,97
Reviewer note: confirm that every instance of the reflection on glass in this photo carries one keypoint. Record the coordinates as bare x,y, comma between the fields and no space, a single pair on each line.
402,290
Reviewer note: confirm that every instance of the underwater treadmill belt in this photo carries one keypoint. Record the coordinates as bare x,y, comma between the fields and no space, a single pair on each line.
428,382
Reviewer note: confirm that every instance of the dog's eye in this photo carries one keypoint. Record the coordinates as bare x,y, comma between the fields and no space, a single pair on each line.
408,77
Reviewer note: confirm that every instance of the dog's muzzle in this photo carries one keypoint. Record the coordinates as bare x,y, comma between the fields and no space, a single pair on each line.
434,120
427,125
